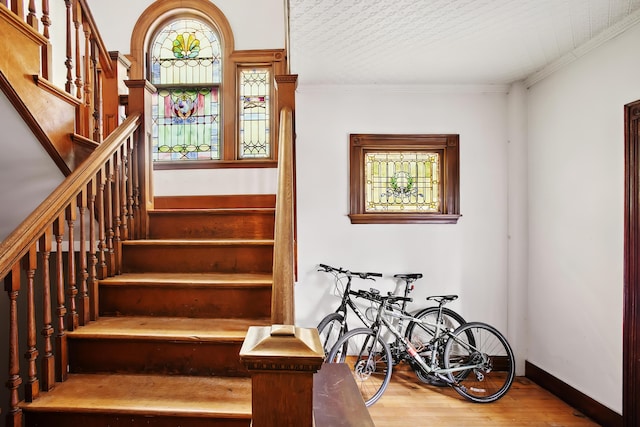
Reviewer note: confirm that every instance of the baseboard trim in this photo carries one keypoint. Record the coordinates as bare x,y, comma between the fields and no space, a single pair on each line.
580,401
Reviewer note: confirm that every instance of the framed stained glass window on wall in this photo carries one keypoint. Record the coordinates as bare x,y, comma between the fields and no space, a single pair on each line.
404,178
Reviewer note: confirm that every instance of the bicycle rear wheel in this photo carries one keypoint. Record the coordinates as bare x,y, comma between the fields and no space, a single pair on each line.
421,336
330,329
369,359
488,362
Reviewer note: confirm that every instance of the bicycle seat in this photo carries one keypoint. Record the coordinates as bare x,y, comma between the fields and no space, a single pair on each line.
408,276
442,298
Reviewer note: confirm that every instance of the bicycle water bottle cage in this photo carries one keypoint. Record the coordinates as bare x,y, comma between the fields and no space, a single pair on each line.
442,299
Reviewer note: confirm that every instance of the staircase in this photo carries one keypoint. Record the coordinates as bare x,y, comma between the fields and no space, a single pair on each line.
164,351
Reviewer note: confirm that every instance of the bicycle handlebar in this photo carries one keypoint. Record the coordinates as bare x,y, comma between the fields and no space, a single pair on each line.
340,270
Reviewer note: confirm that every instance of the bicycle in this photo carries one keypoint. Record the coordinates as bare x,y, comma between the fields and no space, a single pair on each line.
334,325
476,361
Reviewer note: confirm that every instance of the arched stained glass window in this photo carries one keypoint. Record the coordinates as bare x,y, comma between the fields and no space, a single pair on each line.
186,68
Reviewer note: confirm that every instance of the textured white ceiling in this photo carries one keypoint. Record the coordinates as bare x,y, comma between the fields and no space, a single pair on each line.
446,41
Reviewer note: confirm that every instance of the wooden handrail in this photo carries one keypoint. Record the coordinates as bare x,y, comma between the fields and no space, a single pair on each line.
103,53
282,301
17,244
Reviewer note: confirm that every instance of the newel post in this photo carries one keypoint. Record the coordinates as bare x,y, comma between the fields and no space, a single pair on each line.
282,360
140,92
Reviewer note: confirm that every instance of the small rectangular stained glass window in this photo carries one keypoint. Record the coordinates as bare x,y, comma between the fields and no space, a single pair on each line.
255,113
402,182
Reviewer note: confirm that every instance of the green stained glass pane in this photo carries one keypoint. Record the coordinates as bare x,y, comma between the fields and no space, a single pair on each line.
255,113
402,182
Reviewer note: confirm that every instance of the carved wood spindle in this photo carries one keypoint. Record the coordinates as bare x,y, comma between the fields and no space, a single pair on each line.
93,247
108,205
124,203
61,311
130,195
12,286
17,7
117,218
29,265
88,77
72,290
136,192
83,300
69,62
97,94
46,20
48,360
32,19
102,245
77,20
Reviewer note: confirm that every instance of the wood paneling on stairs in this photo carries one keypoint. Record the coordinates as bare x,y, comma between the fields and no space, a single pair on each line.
165,350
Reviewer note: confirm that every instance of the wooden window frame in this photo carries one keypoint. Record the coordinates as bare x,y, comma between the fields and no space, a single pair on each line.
447,145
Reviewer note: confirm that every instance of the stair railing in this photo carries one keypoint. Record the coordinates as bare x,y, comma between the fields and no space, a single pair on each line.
83,60
62,249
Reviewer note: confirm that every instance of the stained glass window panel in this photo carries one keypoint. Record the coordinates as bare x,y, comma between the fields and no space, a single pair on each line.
402,182
255,113
185,124
186,51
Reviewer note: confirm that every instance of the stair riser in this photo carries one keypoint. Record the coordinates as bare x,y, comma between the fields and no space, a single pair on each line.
235,258
187,301
186,225
54,419
155,357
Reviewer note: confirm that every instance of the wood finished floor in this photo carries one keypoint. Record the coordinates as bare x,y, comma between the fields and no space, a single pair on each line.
408,402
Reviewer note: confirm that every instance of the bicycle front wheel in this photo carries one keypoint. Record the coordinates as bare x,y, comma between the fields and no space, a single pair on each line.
487,362
330,329
369,358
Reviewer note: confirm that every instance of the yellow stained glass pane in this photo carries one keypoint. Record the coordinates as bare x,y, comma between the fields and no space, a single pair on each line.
402,182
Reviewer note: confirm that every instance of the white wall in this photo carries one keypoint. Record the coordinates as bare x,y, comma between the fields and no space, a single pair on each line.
27,173
468,258
576,183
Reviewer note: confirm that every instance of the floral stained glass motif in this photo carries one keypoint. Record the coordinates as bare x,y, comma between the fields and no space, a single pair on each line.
255,113
402,182
185,66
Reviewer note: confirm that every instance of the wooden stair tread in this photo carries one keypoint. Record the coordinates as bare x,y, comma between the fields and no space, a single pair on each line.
212,211
198,242
149,394
162,328
197,279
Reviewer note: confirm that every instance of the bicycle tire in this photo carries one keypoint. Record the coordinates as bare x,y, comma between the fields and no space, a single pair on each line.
331,329
369,358
421,336
493,376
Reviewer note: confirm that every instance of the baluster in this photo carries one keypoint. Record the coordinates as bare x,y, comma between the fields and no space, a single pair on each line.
12,286
124,201
48,361
108,205
61,310
93,259
46,21
83,301
117,220
72,290
97,94
102,245
69,62
88,76
77,19
32,19
17,7
32,387
136,192
130,202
